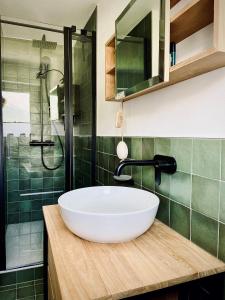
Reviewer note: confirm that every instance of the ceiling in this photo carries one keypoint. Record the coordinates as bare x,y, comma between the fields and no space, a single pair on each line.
55,12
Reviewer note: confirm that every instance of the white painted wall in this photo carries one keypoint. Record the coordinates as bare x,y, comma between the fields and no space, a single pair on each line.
194,108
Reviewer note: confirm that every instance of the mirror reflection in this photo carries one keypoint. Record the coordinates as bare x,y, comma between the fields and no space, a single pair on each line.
140,46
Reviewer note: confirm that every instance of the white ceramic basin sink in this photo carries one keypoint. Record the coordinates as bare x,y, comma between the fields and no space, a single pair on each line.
108,214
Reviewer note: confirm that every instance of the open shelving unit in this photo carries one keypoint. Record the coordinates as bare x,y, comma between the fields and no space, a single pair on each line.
190,19
110,69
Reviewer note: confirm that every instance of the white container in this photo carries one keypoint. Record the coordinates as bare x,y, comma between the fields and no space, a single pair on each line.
108,214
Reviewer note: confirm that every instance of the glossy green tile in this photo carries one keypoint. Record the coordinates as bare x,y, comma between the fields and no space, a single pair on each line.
39,289
204,232
39,273
164,187
25,275
180,188
180,219
13,185
223,160
13,218
222,201
148,178
48,183
206,157
36,183
25,206
25,292
128,140
181,150
13,207
106,161
109,145
147,148
221,242
8,295
162,146
137,175
7,278
163,213
136,148
24,184
205,196
111,163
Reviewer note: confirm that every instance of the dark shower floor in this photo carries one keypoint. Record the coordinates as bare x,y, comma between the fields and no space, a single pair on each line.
24,244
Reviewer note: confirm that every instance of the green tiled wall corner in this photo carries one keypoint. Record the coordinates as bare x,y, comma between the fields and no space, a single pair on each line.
24,171
23,284
192,201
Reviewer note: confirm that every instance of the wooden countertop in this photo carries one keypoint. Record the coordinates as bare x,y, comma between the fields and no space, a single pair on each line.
159,258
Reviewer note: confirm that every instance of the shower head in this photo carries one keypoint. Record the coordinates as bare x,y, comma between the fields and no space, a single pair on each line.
43,44
45,60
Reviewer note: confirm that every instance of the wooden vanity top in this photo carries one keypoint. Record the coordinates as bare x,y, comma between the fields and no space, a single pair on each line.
159,258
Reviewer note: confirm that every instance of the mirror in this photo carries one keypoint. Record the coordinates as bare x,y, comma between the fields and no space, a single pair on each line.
142,46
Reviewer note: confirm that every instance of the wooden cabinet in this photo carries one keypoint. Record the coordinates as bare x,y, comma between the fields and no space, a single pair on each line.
196,15
53,284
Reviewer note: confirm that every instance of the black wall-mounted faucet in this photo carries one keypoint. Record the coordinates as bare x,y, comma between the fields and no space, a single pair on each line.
161,163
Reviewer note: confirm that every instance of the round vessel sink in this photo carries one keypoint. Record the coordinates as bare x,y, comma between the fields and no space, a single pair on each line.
108,214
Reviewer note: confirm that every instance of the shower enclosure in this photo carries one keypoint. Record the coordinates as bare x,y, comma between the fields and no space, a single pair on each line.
47,128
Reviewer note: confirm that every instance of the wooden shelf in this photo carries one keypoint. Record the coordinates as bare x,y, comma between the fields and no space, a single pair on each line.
111,70
193,17
201,63
173,3
110,67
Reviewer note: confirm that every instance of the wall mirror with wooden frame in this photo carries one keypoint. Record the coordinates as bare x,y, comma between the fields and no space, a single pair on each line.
141,42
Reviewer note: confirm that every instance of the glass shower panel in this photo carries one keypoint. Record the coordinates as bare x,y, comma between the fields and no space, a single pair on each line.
33,128
83,109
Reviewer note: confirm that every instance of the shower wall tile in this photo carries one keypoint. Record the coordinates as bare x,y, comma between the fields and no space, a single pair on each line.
24,284
192,201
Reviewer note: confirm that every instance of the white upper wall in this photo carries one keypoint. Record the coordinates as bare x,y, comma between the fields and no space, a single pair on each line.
194,108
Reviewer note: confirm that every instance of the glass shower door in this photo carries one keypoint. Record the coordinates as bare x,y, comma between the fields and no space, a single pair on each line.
2,189
84,132
33,131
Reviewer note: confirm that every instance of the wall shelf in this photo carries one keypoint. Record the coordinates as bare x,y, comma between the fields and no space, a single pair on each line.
190,19
110,67
173,3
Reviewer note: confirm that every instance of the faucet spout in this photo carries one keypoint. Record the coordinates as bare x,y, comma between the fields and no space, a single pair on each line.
132,162
161,163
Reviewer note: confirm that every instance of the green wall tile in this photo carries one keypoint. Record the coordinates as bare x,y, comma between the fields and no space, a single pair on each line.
180,188
206,158
147,148
8,295
136,148
204,232
164,187
163,213
181,150
25,275
205,196
222,201
223,160
148,178
109,145
180,219
162,146
25,292
221,242
7,278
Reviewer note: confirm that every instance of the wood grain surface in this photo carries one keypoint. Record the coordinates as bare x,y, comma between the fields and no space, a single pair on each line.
159,258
